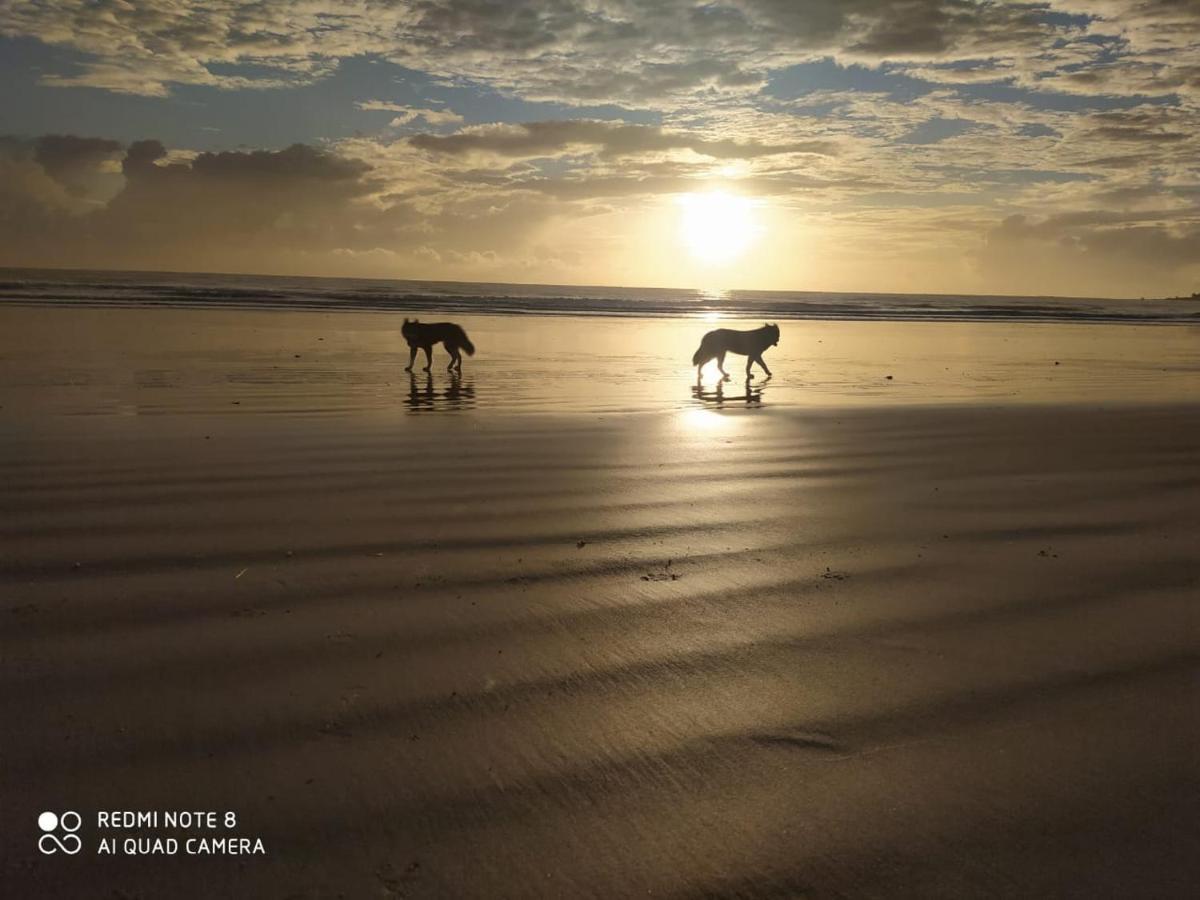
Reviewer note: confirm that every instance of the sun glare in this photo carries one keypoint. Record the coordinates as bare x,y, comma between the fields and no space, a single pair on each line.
716,227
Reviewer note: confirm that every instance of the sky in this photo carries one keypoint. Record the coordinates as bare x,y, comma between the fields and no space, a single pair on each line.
949,146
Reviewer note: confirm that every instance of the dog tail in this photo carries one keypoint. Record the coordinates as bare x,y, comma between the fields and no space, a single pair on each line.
467,345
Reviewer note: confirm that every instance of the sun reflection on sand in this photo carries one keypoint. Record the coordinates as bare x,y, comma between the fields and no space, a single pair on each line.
721,396
304,363
706,419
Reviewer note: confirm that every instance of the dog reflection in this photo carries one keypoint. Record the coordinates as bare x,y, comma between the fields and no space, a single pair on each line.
716,396
455,395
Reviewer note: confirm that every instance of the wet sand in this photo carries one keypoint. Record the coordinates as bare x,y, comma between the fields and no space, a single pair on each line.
74,361
873,646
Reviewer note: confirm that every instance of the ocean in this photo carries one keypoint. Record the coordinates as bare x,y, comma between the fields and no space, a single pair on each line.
266,292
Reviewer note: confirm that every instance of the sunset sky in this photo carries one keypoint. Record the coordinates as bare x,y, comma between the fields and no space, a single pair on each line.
924,145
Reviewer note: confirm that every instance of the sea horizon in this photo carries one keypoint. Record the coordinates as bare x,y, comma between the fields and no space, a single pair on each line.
162,288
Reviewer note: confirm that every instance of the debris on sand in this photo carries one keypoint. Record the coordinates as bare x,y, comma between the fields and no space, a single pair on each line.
579,545
831,575
665,575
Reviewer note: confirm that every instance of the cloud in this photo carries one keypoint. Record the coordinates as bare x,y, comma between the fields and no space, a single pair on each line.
929,29
574,51
409,114
372,207
63,172
957,115
234,203
85,167
535,139
1139,125
301,209
1100,253
64,155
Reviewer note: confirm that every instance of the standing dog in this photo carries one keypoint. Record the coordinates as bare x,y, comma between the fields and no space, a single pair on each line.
751,344
422,336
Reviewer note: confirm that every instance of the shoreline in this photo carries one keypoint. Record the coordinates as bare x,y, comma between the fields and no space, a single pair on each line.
131,362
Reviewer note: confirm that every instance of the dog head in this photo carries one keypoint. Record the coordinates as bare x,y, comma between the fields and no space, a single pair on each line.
773,332
407,328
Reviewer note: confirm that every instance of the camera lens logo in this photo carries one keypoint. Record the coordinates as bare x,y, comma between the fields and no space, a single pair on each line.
50,842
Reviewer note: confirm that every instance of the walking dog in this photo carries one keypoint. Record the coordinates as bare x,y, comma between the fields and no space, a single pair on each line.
751,344
423,335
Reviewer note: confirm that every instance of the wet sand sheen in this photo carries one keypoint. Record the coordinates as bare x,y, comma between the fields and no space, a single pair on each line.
770,652
153,362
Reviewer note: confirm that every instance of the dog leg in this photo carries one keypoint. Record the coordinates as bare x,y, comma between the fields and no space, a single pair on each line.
412,357
721,366
428,357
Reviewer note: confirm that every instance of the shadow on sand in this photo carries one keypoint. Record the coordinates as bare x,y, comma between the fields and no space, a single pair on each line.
456,395
716,395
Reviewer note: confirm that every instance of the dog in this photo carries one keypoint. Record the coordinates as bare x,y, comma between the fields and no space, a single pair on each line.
751,344
423,335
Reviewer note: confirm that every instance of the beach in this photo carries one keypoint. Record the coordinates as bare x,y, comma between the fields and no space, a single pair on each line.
915,617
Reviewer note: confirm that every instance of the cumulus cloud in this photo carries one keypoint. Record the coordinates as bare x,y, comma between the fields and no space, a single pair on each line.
301,209
65,156
164,211
85,167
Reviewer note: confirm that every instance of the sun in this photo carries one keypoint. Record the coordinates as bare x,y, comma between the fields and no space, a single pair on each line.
716,227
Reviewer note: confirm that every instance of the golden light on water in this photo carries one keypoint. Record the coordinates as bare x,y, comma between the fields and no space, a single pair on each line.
717,227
